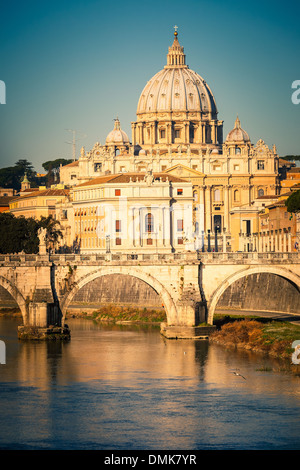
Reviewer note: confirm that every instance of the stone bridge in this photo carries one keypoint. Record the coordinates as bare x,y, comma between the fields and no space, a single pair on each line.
189,284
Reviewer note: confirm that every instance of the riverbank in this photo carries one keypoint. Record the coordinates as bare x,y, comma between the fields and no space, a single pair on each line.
260,335
120,314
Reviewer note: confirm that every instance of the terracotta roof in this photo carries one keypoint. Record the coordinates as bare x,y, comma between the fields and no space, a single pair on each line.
294,170
5,200
75,163
282,161
130,177
44,192
276,204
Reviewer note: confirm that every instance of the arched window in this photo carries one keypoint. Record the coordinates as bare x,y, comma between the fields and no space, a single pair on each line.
217,195
261,192
149,223
237,150
236,195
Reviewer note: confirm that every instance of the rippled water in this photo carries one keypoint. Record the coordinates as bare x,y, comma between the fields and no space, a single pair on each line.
126,387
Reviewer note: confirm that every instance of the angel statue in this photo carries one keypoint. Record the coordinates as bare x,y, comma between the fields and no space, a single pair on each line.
42,232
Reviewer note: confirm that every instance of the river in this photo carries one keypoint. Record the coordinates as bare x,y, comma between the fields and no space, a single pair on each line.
126,387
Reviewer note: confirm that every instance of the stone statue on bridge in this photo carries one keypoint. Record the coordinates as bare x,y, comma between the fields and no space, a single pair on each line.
42,233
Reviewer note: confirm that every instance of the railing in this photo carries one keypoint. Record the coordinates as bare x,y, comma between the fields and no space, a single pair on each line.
192,257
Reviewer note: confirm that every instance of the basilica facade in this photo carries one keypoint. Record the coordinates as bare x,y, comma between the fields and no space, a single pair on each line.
177,133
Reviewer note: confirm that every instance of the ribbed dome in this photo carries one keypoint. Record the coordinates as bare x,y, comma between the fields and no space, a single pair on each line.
117,136
176,88
237,133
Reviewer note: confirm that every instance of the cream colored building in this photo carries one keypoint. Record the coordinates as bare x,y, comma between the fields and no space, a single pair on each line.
134,212
177,131
43,202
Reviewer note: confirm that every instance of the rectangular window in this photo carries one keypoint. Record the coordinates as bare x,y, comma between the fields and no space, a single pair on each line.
180,225
118,225
117,192
162,134
97,166
118,241
180,241
179,192
177,133
260,165
149,241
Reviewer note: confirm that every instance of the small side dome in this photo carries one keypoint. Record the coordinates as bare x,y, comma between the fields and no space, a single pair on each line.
237,133
117,136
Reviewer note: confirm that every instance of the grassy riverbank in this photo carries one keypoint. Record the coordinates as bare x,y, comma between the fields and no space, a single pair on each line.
118,314
261,335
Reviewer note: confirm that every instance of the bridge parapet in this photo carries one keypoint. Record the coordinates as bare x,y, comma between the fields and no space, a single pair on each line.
152,258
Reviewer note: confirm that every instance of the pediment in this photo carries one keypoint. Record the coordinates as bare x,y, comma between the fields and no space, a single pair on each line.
183,171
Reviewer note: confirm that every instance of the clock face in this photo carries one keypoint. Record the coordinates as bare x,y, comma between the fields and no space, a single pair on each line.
260,151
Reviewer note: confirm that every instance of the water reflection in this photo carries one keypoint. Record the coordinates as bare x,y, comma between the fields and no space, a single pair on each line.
116,387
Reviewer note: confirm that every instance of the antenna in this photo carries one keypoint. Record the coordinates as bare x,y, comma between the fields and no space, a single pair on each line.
73,143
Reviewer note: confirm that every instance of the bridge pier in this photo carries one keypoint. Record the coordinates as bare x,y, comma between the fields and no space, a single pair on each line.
193,317
43,316
43,323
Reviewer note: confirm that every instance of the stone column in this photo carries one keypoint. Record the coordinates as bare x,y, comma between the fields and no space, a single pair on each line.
224,242
203,134
280,242
133,132
260,243
272,242
141,228
213,132
226,208
169,133
276,242
201,210
208,208
133,228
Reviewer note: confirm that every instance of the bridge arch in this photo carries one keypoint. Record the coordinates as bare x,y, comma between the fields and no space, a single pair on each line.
282,272
166,298
17,296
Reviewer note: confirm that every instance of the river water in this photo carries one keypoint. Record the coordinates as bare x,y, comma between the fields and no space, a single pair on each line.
126,387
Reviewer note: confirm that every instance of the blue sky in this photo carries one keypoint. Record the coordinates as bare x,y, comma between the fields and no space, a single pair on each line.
80,64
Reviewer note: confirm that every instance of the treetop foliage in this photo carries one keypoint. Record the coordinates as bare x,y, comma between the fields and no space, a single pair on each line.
11,176
293,202
20,234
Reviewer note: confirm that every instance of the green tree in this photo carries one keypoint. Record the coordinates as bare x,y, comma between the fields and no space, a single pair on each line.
52,168
53,230
10,177
293,202
19,234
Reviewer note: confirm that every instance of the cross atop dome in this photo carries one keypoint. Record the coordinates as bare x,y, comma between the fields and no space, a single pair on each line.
176,56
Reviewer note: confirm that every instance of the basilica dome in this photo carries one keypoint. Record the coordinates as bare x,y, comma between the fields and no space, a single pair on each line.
117,136
237,133
177,88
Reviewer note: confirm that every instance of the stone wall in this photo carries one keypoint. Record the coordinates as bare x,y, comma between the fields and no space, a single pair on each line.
6,300
118,289
263,291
